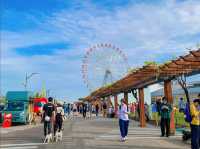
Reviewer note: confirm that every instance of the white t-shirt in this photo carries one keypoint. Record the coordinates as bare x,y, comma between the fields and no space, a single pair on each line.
123,113
60,110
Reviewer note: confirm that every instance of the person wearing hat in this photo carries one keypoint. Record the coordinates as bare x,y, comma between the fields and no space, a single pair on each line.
195,123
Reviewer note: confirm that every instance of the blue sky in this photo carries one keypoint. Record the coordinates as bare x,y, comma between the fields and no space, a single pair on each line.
51,37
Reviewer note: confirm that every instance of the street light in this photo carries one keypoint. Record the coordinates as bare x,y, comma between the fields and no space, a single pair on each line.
48,92
27,78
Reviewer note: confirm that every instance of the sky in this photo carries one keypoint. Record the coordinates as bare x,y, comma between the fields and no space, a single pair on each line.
52,37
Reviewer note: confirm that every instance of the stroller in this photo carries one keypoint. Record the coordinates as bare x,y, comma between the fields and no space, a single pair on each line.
186,135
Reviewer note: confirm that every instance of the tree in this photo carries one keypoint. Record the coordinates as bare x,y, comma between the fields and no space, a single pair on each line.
37,95
147,63
134,92
2,100
183,83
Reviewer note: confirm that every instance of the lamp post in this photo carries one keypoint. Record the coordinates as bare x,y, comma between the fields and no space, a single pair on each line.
48,92
27,78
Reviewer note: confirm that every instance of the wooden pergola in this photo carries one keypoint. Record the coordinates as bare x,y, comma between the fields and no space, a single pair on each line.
150,74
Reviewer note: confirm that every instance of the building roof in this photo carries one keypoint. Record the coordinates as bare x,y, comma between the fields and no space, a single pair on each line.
177,91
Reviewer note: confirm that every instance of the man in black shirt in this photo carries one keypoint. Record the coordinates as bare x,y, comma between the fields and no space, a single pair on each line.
48,115
104,109
97,110
84,110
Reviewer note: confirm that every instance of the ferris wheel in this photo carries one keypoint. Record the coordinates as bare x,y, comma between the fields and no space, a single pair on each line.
102,65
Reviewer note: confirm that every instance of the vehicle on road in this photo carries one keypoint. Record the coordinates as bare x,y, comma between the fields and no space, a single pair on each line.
20,105
2,106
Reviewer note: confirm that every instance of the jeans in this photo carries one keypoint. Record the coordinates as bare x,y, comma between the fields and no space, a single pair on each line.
195,136
123,125
165,126
47,126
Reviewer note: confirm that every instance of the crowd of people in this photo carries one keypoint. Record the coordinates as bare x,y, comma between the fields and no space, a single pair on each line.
159,111
54,114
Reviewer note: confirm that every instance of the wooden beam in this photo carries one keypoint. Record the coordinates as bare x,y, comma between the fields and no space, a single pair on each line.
142,110
182,62
169,97
195,53
116,105
183,67
168,91
194,59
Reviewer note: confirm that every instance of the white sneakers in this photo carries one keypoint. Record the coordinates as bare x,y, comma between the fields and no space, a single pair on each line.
123,139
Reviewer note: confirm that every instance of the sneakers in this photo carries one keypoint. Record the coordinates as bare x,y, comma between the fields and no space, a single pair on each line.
122,139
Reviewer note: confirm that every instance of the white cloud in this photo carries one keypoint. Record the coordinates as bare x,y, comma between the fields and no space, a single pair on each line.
142,31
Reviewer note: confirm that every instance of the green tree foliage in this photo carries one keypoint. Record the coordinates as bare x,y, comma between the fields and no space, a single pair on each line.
2,100
37,95
147,63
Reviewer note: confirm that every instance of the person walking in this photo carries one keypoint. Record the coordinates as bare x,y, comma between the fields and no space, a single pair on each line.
59,118
65,109
155,113
195,124
138,109
48,116
104,109
74,107
90,110
97,110
158,105
165,117
123,120
181,105
84,110
199,118
146,111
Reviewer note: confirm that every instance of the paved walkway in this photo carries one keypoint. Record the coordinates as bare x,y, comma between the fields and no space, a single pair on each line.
93,134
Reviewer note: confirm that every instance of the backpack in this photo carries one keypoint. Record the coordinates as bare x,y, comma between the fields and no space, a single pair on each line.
188,117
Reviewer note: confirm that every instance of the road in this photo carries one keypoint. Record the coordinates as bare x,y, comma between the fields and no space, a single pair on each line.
91,134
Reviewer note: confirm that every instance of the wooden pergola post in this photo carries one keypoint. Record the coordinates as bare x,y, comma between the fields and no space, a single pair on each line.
116,104
141,104
169,97
168,91
109,101
126,97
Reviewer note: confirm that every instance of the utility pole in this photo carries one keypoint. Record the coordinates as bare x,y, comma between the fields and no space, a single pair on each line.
48,92
25,84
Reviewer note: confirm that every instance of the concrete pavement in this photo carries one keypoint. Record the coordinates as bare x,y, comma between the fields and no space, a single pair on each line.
92,134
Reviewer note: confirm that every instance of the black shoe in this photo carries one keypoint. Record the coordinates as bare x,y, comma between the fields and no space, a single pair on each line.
162,136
